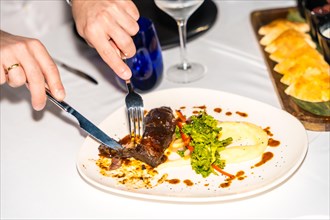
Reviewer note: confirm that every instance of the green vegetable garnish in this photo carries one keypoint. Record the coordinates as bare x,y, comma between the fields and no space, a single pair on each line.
181,153
204,134
294,16
177,132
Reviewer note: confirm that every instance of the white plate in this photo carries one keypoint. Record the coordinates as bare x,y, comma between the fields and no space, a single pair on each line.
287,157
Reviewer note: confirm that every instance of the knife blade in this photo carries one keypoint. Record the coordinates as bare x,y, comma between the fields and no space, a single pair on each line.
75,71
87,125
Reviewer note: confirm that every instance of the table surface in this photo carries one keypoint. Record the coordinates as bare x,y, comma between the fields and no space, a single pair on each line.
39,179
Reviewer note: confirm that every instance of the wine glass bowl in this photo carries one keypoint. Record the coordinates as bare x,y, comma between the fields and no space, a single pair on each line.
181,10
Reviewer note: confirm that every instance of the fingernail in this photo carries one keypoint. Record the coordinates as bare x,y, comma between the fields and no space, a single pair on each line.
39,107
60,94
126,74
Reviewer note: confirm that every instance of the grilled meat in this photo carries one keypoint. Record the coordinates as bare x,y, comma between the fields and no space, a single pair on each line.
159,130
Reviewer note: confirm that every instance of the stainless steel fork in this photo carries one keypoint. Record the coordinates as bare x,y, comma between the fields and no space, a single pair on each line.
135,111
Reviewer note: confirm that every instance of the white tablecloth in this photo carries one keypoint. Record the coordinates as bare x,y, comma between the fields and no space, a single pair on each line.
39,179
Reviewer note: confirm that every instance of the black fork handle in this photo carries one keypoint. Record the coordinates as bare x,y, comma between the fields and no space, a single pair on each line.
129,86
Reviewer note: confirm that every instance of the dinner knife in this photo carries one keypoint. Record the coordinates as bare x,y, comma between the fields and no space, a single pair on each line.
87,125
75,71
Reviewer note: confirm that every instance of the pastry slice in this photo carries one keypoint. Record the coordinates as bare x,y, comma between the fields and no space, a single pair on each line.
304,52
305,64
300,26
289,39
311,87
275,29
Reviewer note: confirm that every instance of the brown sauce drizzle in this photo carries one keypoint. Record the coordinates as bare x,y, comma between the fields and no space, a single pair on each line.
265,158
229,113
182,107
242,114
188,182
267,130
240,175
173,181
273,143
217,110
195,112
225,184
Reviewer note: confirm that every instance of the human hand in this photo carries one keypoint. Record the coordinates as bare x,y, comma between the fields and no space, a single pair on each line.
26,61
108,26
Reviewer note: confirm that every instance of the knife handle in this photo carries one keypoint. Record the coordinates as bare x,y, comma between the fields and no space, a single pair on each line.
62,105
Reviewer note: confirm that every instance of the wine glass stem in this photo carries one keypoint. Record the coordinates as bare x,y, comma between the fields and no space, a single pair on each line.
182,25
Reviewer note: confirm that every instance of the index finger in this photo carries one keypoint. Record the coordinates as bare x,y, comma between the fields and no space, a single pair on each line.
50,72
111,55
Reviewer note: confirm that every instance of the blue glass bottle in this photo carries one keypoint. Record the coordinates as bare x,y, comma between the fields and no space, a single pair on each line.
147,64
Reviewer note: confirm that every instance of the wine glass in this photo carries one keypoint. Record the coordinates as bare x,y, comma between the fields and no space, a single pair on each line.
181,10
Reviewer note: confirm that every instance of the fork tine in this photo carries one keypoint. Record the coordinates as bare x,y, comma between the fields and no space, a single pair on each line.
136,121
134,105
138,124
141,121
130,121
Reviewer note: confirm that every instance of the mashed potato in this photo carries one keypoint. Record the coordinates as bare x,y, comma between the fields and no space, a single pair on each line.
249,142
